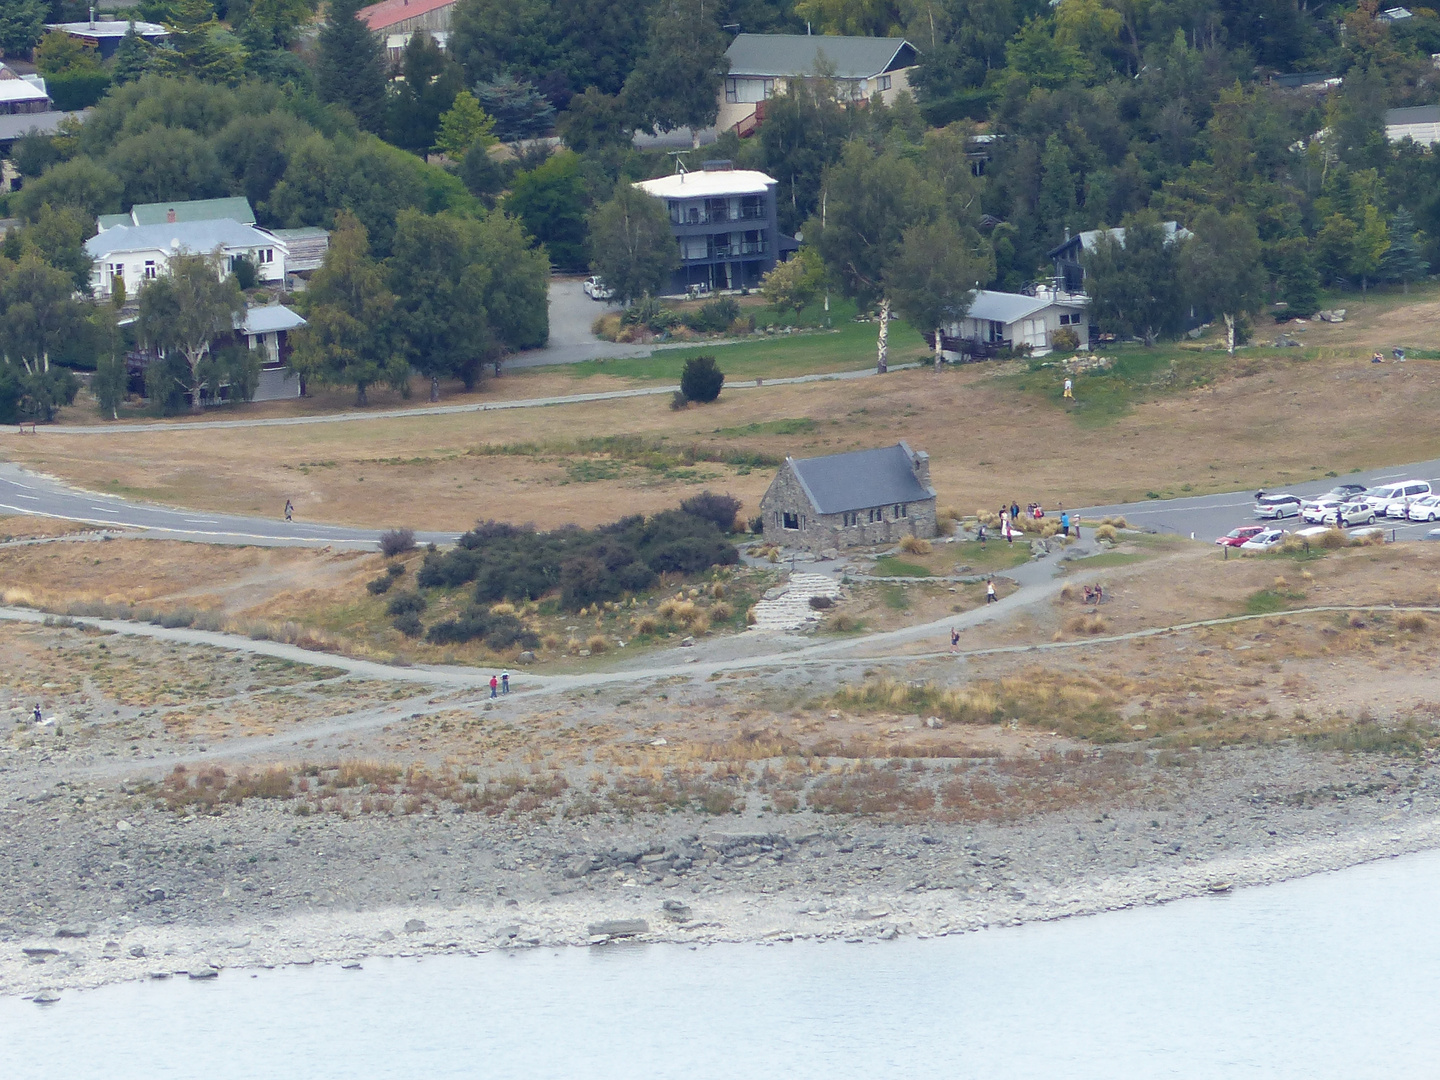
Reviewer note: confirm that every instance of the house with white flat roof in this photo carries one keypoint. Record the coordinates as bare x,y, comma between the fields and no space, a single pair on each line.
724,221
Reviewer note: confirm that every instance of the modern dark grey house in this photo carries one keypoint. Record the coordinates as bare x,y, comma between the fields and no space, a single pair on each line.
724,221
861,498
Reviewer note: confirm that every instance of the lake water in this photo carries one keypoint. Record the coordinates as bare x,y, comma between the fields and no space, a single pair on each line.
1336,975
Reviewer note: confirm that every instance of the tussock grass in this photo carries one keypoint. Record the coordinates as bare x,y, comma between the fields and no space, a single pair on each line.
1413,621
914,545
1087,624
1107,532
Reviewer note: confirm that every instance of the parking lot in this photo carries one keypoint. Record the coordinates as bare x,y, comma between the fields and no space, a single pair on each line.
1209,516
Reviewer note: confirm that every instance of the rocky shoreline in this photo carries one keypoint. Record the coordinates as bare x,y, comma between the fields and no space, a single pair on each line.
99,894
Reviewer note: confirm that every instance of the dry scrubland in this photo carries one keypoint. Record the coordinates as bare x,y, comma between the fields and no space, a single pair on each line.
1267,418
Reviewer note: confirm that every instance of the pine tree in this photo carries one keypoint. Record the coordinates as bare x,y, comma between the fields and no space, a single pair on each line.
197,50
1403,261
351,65
1299,281
133,57
463,125
1056,205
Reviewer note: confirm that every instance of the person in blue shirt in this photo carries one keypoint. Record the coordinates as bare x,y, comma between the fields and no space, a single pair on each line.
1064,522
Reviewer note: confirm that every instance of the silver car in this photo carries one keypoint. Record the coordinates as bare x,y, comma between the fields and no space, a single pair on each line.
1278,506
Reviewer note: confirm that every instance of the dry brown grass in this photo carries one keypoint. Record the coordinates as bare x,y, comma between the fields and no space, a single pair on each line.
914,545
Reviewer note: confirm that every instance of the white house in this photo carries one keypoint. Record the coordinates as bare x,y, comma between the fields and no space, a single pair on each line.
762,65
136,254
998,319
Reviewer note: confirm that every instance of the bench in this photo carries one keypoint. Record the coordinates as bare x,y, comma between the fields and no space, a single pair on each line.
30,424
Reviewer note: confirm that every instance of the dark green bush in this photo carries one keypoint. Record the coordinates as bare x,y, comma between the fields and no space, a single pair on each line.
410,603
701,379
379,585
713,316
409,624
720,509
498,631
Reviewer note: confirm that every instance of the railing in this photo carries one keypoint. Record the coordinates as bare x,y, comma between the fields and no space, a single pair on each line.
705,217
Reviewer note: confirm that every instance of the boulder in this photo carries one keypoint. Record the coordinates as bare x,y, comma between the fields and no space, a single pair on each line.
46,997
618,928
73,932
415,926
206,972
526,657
676,911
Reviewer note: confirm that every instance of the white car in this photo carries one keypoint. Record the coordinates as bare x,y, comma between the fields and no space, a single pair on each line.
1358,512
1321,512
596,289
1278,506
1425,509
1341,493
1270,538
1400,496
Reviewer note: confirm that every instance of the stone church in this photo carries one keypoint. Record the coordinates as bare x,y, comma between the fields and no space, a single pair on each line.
862,498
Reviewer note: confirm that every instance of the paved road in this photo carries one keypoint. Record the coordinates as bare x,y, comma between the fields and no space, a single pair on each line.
1210,516
23,492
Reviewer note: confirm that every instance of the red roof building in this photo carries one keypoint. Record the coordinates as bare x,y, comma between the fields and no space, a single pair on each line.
407,16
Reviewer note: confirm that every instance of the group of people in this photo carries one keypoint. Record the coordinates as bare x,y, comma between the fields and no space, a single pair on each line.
1009,515
500,684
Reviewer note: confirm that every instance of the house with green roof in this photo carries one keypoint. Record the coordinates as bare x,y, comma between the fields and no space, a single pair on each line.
235,208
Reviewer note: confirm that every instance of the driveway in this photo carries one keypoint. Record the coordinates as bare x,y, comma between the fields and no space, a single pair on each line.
571,315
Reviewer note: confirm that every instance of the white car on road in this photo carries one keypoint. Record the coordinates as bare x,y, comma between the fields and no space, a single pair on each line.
1280,505
1424,509
1265,541
596,289
1358,512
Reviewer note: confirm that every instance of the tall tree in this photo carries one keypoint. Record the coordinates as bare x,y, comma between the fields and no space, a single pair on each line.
22,22
439,288
595,121
676,83
431,81
133,58
551,200
867,202
935,274
631,247
350,67
464,127
349,336
520,110
198,47
1403,260
1134,283
1299,282
1222,266
41,318
186,309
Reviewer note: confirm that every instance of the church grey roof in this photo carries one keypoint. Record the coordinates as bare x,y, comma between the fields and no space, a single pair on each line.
787,55
860,479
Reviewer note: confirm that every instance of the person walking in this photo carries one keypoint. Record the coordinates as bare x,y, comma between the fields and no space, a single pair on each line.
494,685
289,510
1069,390
1009,534
38,717
954,639
505,682
1014,511
1065,523
990,596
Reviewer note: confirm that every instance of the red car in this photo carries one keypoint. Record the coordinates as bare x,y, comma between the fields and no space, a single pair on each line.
1236,537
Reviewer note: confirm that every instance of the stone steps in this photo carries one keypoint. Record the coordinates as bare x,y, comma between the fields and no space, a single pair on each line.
788,607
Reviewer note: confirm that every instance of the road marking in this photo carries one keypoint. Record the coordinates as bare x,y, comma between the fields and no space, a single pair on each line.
202,521
32,498
103,510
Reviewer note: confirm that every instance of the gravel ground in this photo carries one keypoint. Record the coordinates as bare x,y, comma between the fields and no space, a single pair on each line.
101,886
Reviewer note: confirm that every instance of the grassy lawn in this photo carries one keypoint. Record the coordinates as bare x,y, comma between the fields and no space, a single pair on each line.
848,346
889,566
990,557
1111,558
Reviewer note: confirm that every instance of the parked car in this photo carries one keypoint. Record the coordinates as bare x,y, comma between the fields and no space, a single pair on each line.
1313,531
1270,538
1320,513
596,289
1426,509
1236,537
1359,512
1340,493
1282,505
1433,534
1400,496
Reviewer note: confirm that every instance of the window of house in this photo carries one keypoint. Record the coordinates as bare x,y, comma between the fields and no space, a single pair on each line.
902,510
876,515
150,269
791,521
883,82
117,270
851,517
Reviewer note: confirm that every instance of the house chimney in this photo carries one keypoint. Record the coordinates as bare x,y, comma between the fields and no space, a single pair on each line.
92,16
170,216
920,462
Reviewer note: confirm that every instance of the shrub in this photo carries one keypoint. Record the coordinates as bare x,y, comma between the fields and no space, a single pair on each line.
597,643
1413,621
1065,340
395,569
498,631
409,624
701,379
379,585
718,509
757,525
396,542
913,545
410,603
713,316
1107,532
1087,624
820,603
1331,539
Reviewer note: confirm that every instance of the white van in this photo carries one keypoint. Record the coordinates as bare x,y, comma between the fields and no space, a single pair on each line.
1393,500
